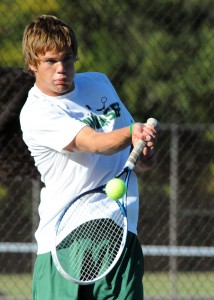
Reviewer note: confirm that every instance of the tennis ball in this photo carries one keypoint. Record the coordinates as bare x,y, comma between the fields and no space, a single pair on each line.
115,188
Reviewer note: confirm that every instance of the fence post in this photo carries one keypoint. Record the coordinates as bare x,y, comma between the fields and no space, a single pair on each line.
173,207
35,203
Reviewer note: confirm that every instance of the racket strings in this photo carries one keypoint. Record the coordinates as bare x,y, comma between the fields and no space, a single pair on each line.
90,249
105,252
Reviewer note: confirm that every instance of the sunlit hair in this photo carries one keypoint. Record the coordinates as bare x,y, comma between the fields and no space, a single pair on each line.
47,33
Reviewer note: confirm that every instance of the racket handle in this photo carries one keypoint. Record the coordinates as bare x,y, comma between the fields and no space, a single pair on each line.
134,155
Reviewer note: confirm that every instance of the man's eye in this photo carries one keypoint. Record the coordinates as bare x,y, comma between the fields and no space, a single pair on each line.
50,61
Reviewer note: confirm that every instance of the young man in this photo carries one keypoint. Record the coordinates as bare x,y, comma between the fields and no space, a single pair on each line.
78,131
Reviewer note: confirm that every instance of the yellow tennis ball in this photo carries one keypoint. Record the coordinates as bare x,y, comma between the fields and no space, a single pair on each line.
115,188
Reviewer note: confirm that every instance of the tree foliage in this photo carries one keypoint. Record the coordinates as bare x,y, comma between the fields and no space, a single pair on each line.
158,53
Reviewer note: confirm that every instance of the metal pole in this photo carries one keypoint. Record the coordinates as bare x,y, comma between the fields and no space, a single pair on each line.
35,183
173,208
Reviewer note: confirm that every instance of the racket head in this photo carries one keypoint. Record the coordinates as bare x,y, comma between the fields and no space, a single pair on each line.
85,252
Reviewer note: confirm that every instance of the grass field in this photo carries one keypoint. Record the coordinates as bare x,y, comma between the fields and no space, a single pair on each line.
187,284
15,285
155,284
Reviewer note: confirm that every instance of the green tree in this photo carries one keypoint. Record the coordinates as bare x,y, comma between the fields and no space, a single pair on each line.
14,15
159,53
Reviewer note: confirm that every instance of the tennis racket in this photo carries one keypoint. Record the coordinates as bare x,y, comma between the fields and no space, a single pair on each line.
90,234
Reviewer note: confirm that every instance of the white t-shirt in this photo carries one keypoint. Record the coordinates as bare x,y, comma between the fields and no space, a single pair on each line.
51,123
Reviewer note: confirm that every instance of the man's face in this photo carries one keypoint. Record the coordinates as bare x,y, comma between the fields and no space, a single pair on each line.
55,73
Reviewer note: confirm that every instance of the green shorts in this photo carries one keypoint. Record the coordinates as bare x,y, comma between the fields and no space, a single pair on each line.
124,282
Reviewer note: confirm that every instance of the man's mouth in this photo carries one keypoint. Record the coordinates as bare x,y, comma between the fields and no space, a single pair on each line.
61,81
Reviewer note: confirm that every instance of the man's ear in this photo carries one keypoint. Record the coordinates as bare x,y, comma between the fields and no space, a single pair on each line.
33,68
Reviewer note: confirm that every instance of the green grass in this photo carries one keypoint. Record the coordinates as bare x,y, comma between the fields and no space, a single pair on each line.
15,285
187,284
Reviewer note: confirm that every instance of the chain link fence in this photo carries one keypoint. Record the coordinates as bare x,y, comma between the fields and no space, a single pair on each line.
159,56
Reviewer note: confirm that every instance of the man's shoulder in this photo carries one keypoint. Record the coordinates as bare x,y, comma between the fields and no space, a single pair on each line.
91,76
35,104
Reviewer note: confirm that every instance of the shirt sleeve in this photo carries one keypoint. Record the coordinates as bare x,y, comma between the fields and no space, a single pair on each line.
51,126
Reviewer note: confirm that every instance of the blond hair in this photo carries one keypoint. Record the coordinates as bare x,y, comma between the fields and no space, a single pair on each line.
47,33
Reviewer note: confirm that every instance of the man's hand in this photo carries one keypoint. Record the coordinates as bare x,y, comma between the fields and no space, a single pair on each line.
148,133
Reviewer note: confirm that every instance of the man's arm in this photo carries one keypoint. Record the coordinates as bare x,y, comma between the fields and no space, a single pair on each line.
89,140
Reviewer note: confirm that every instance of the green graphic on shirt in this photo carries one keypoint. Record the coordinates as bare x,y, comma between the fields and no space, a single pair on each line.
109,113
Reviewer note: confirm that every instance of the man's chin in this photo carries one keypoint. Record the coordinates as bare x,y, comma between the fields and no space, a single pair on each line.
62,89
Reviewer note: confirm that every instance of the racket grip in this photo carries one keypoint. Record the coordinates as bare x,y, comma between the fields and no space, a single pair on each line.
135,154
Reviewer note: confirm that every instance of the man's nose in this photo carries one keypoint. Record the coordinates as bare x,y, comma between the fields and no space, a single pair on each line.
60,66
